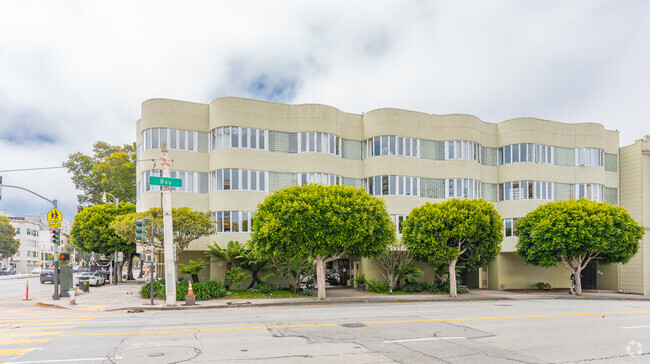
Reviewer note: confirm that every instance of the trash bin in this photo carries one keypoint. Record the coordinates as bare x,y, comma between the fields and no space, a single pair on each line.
84,286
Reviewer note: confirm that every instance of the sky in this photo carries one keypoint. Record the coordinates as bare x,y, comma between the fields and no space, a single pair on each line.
76,72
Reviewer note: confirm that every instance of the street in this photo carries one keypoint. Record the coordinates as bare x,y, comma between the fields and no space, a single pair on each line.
530,331
15,288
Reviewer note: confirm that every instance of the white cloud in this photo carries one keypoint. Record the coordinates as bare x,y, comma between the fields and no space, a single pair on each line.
78,73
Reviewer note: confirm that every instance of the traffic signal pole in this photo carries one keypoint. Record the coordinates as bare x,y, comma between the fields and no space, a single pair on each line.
168,235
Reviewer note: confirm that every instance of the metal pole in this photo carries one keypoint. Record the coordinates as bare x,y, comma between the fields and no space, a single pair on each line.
56,266
151,268
168,235
116,275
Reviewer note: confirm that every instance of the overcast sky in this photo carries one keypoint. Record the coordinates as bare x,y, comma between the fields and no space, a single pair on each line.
75,72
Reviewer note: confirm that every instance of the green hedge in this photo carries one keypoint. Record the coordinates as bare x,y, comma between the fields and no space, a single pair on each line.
203,291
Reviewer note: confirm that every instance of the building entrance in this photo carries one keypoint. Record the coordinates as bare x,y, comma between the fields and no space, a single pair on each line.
588,276
337,272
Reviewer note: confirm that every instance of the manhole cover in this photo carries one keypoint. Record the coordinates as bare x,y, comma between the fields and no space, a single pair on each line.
238,303
354,325
155,355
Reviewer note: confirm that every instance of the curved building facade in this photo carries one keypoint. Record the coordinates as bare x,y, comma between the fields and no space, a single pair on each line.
233,152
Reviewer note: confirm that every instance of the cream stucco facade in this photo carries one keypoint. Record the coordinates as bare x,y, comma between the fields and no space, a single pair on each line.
232,152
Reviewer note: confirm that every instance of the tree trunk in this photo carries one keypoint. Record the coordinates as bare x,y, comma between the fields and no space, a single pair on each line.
320,277
120,265
453,292
129,270
254,280
578,281
225,279
195,278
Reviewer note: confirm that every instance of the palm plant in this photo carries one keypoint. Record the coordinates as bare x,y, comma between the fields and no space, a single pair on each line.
254,263
193,269
231,255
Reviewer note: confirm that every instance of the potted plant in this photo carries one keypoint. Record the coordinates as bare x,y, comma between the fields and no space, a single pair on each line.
361,282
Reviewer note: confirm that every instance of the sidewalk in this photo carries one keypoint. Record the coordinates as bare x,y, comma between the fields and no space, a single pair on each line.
125,296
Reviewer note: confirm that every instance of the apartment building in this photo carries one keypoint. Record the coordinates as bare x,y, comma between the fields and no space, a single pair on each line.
232,152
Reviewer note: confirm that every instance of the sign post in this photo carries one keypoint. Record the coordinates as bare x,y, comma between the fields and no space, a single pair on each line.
54,218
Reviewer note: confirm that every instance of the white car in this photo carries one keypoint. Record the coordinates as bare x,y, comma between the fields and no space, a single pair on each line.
36,271
93,278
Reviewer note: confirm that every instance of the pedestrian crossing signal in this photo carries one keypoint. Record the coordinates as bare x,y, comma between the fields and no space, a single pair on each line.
64,256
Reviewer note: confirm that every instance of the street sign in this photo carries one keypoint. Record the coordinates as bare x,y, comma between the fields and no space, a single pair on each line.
54,215
120,256
54,224
165,181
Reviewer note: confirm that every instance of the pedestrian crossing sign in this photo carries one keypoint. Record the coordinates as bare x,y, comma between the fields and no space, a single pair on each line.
54,215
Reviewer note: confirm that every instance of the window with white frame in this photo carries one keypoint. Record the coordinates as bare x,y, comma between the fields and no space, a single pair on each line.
324,179
462,150
531,153
590,191
398,220
238,179
526,190
590,157
317,142
239,137
393,185
462,188
176,139
387,145
233,221
510,227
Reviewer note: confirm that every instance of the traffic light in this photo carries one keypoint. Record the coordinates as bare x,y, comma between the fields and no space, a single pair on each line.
139,230
64,256
56,236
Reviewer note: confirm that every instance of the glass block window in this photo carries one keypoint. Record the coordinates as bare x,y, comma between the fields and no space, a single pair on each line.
317,142
239,137
432,187
278,180
490,192
352,182
462,150
352,149
283,142
233,221
488,156
611,162
175,139
563,191
565,156
611,196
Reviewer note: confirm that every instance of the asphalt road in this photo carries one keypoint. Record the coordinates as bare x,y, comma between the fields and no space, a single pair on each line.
544,331
16,287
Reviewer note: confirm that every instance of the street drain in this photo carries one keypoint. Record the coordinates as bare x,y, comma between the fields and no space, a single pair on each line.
354,325
155,355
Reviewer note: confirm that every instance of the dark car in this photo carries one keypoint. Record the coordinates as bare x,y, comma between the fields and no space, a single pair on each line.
47,275
7,271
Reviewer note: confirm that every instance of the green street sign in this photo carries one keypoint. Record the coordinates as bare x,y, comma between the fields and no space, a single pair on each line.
165,181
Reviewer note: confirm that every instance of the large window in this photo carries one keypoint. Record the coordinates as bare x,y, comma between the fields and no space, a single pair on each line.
391,145
238,179
590,191
510,227
532,153
233,221
239,137
393,185
462,150
175,139
463,188
526,190
317,142
324,179
590,157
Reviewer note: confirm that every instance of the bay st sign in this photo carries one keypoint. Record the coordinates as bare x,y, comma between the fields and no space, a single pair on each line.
165,181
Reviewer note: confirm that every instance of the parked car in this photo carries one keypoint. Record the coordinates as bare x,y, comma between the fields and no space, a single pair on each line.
36,271
93,279
7,271
47,275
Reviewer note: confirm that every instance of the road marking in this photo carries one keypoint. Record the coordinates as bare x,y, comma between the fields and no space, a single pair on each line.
366,323
43,320
41,328
45,323
21,334
635,327
427,339
93,307
4,352
24,341
66,360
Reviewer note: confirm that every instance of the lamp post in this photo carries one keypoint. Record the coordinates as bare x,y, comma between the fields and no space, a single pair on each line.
117,206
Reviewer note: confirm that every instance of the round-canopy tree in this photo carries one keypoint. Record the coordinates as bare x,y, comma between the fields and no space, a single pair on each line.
321,223
470,230
8,245
575,233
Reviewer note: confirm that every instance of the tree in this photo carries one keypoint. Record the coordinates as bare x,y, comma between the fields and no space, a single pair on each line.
187,225
193,269
394,262
110,169
92,231
8,245
576,232
233,253
321,222
470,230
293,269
254,263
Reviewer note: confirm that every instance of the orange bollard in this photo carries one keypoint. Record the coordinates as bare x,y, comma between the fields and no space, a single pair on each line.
26,290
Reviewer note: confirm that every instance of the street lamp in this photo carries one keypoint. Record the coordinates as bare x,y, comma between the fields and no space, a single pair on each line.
117,206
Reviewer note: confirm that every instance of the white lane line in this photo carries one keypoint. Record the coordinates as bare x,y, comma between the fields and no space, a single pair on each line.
64,360
426,339
635,327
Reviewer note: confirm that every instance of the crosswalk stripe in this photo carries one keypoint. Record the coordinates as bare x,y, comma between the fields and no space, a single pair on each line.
4,352
41,328
42,324
25,334
24,341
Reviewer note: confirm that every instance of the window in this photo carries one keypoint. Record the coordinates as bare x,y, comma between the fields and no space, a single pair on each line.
392,185
590,191
510,227
233,221
320,178
391,145
531,153
238,179
175,139
317,142
590,157
238,137
398,220
463,188
526,190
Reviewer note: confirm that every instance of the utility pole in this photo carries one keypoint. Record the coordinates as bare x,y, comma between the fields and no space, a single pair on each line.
168,234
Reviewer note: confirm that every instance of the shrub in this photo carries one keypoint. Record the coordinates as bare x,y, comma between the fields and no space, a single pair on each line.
377,287
214,289
181,290
158,289
361,279
235,277
307,292
444,287
542,286
265,287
